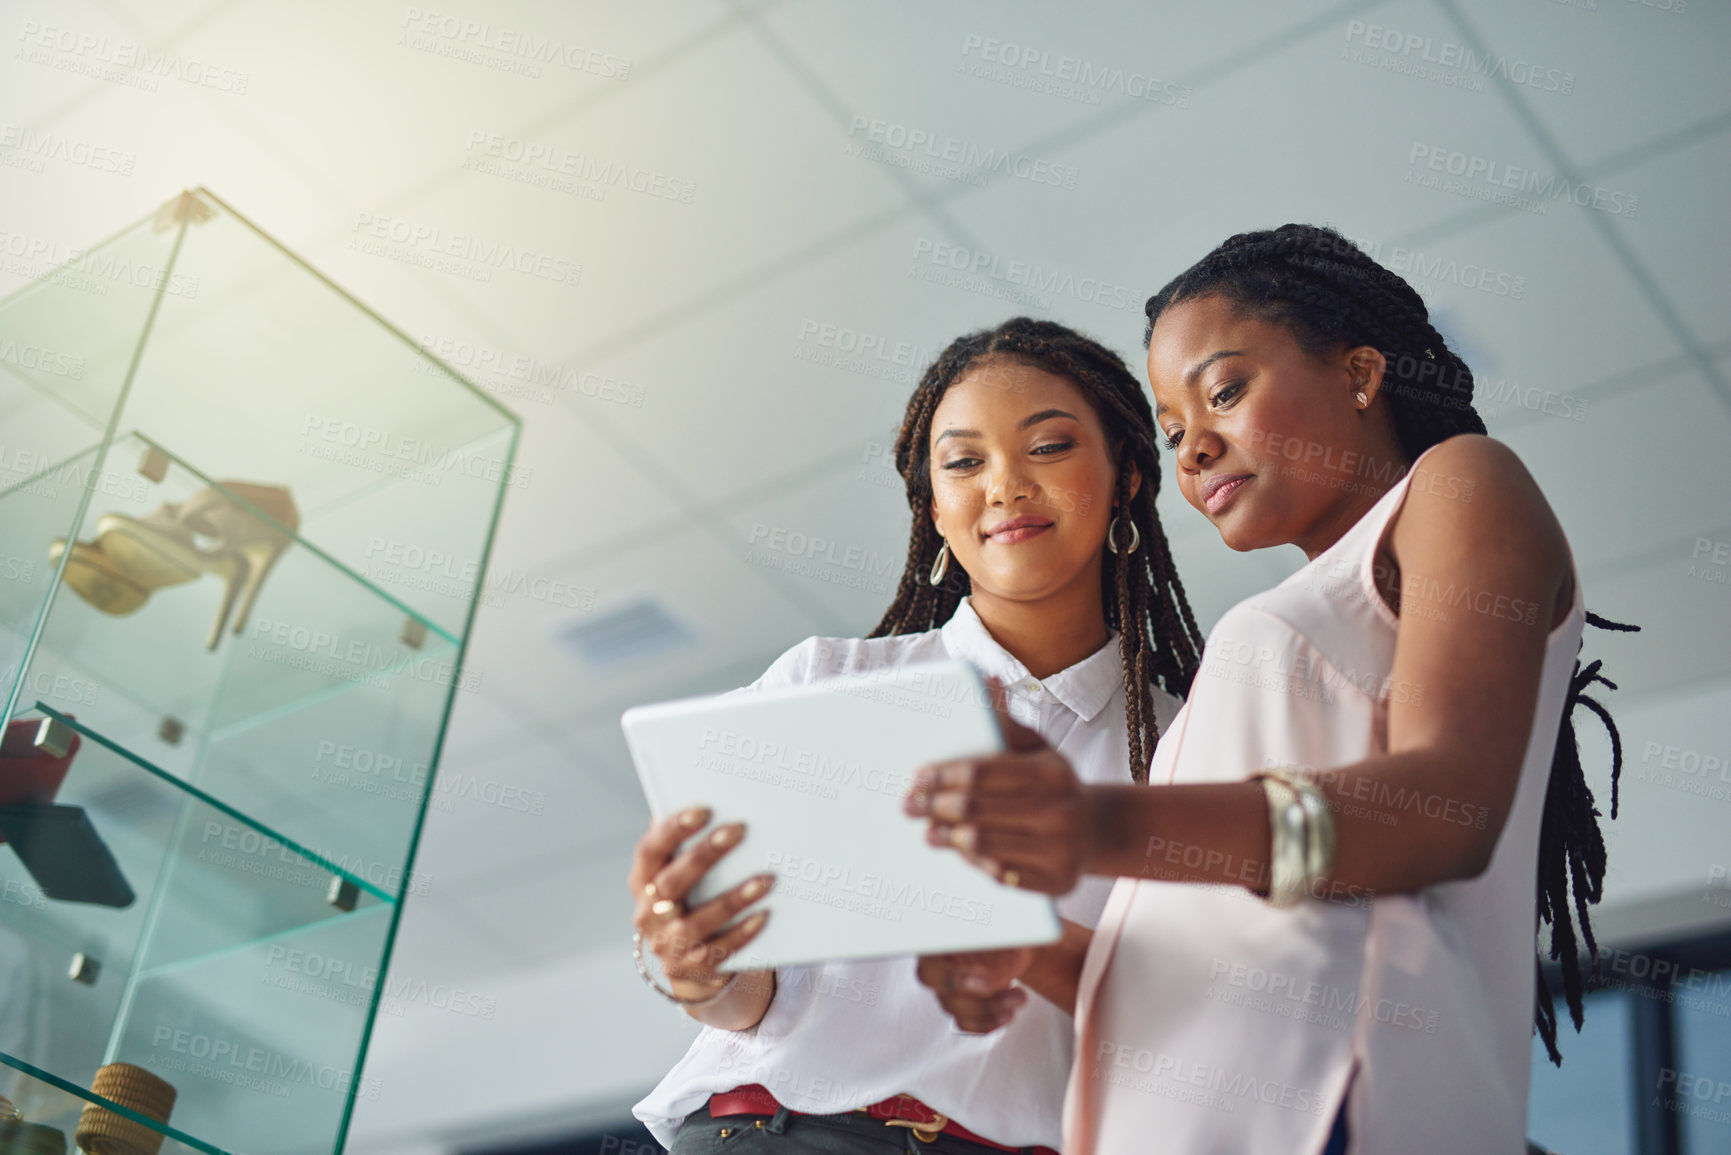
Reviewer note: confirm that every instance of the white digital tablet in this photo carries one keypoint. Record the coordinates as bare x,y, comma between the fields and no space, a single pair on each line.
817,774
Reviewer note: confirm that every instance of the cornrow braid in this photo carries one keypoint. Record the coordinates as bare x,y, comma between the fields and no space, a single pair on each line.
1328,293
1159,643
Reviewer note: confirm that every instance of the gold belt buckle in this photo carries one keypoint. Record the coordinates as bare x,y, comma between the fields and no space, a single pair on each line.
924,1132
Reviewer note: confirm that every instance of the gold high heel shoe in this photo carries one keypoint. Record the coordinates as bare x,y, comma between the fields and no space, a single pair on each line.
164,544
96,578
117,574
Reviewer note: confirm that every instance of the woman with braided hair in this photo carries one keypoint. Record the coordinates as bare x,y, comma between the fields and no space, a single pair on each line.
1036,554
1321,934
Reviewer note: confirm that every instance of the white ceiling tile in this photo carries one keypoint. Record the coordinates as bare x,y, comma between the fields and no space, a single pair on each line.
494,814
1675,794
562,906
1681,214
696,575
482,719
64,54
605,755
895,82
759,388
751,180
448,935
168,20
1604,472
1577,319
842,536
1681,601
1636,70
1253,150
580,488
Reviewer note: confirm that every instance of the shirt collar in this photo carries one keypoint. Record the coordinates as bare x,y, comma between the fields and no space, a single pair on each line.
1085,687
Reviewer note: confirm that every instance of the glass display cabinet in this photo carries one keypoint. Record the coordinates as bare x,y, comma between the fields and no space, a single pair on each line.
244,524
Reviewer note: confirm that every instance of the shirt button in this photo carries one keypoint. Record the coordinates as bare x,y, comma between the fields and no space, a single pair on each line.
1032,686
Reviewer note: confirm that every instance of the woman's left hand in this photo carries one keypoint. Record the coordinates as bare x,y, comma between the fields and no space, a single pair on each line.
1021,815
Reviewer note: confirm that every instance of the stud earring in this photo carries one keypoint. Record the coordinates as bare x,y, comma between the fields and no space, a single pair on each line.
1361,399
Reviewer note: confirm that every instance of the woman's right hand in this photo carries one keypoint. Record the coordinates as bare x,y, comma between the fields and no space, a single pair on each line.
983,990
693,943
978,988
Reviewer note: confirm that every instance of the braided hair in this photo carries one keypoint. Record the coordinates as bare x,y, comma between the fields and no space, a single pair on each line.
1327,292
1158,640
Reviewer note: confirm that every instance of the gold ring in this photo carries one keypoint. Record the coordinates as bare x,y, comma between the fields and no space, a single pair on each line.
665,908
1012,878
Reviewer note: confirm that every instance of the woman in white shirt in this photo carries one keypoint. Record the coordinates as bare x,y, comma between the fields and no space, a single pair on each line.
1379,746
1035,554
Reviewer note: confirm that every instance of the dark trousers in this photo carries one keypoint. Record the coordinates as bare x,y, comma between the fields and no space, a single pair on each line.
784,1133
855,1133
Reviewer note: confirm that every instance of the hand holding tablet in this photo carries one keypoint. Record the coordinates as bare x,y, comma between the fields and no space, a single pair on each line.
1021,815
817,774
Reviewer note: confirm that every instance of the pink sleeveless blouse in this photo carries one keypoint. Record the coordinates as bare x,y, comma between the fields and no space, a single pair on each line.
1210,1021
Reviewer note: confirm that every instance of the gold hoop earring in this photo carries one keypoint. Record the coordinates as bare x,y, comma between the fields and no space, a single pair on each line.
1112,534
940,565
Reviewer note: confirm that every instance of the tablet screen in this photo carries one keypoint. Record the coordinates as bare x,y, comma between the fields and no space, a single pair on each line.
817,774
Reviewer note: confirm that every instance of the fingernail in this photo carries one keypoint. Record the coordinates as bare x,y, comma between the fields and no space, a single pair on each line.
757,920
726,836
976,985
756,886
695,817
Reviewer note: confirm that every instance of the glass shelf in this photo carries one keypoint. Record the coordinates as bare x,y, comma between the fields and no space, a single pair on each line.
51,1102
327,859
182,404
254,365
319,685
76,332
34,511
261,1042
232,947
397,463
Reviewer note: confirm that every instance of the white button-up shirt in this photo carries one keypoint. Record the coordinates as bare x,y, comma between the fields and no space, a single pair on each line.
843,1035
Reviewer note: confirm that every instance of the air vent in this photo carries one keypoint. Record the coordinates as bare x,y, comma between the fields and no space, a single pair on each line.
627,633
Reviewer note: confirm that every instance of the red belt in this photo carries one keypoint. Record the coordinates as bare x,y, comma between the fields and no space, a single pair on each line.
896,1111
